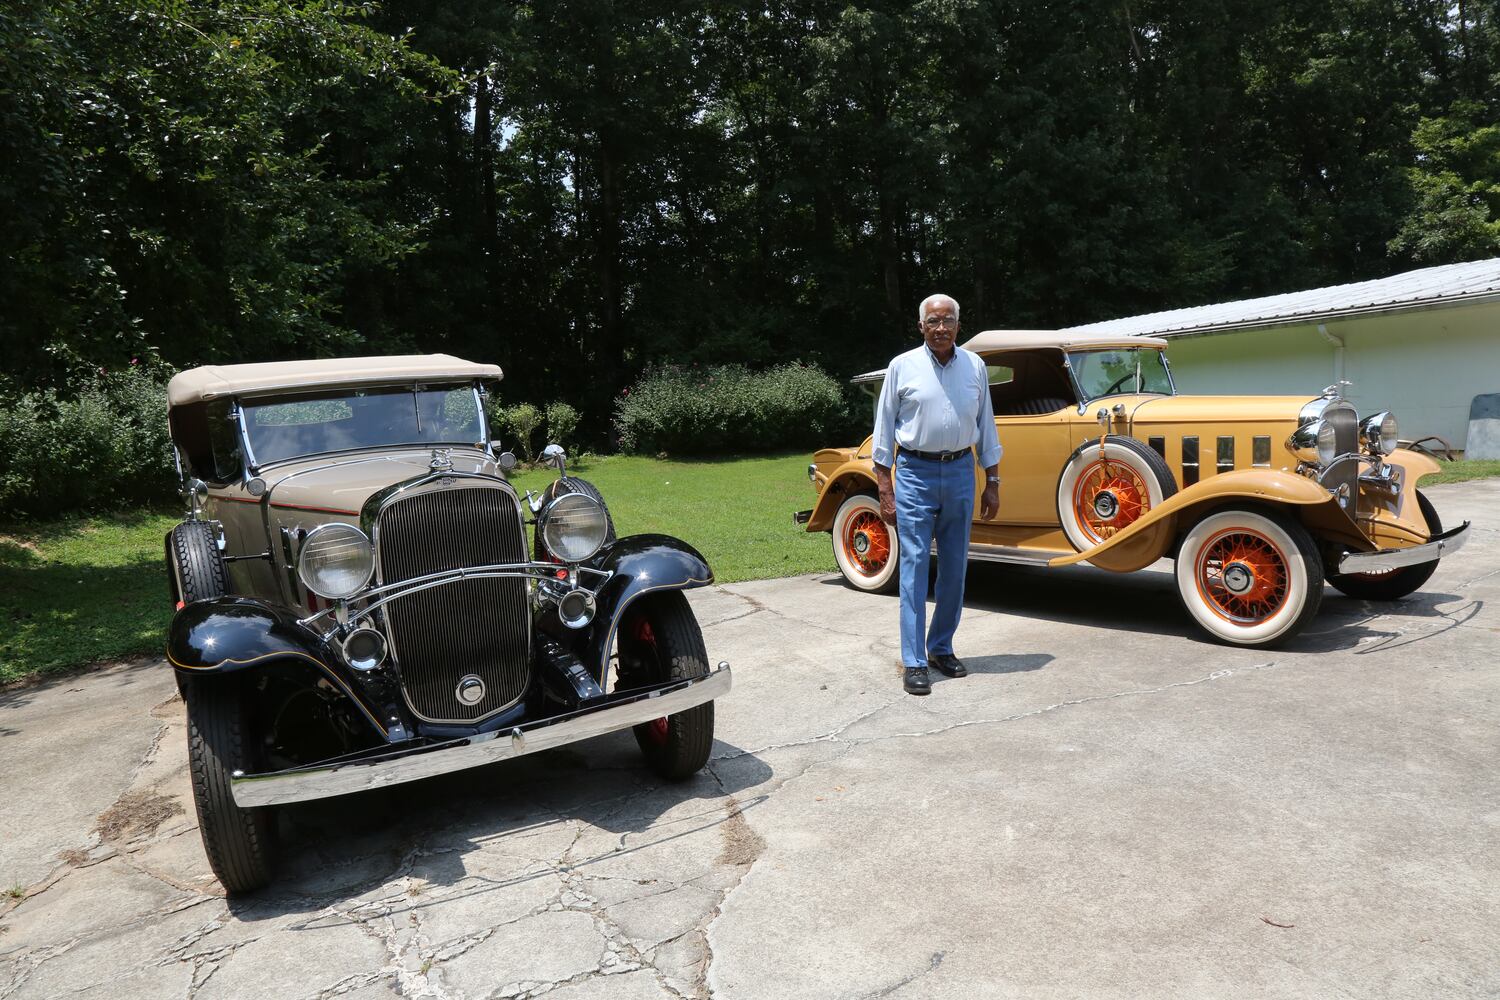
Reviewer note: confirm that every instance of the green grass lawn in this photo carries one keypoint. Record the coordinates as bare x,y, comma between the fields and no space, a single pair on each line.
80,590
83,590
1463,469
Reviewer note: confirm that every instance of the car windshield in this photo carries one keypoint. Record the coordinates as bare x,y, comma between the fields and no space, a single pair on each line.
290,427
1120,370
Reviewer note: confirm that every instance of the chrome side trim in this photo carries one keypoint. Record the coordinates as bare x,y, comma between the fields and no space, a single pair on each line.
343,777
1260,451
980,552
1388,559
1225,454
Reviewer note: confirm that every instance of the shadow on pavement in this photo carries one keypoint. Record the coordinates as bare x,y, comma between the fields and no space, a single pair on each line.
1146,602
335,849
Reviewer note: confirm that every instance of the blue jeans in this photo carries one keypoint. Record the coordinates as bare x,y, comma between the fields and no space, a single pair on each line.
932,498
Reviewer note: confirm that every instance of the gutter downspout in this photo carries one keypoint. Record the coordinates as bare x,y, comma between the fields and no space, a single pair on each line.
1338,352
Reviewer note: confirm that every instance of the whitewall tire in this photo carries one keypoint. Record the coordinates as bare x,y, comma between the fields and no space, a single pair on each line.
1249,578
865,547
1097,499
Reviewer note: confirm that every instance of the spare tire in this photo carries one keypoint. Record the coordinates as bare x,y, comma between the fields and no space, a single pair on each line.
1099,496
195,567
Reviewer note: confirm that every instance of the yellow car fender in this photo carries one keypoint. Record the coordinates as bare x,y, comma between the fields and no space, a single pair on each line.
1148,539
854,476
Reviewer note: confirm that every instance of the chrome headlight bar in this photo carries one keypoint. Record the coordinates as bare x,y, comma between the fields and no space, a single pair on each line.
346,617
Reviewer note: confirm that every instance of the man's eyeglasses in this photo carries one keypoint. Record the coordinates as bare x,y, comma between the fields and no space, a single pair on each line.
941,322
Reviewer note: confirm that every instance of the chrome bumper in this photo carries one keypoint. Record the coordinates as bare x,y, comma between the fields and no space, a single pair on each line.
1388,559
392,767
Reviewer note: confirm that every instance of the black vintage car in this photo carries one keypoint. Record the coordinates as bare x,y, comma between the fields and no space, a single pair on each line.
358,603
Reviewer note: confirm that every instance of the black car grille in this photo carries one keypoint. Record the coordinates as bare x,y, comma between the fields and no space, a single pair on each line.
443,634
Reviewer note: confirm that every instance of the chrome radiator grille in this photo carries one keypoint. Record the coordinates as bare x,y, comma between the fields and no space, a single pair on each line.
1343,478
480,627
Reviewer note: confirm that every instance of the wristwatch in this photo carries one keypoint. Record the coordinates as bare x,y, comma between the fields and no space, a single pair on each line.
995,480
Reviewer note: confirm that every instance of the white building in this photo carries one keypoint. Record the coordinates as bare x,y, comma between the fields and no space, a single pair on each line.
1421,344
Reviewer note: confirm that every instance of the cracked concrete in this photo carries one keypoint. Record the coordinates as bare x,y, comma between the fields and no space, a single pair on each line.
1107,806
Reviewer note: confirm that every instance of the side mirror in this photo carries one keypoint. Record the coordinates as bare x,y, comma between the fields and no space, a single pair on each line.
553,454
506,460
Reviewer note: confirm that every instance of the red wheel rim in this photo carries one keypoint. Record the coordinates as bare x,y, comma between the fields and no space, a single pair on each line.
656,730
1129,499
1242,577
867,542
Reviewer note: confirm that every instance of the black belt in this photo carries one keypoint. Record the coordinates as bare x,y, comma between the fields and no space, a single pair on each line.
939,456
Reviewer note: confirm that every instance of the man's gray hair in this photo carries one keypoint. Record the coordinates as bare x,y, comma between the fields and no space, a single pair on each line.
933,300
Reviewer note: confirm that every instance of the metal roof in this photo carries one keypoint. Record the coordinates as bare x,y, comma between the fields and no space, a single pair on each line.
1448,284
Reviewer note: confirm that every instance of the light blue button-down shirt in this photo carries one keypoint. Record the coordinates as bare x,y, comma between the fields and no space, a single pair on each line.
925,406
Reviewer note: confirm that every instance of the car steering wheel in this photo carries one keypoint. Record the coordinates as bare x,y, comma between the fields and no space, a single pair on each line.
1117,383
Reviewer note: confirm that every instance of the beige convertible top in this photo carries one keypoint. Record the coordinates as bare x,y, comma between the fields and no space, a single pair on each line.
1015,340
197,385
1020,340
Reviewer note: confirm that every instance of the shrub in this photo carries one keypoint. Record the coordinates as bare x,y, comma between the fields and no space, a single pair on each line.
522,420
729,409
562,422
104,446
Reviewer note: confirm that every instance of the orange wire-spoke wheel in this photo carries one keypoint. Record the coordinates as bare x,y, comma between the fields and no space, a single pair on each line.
1242,576
867,542
1108,499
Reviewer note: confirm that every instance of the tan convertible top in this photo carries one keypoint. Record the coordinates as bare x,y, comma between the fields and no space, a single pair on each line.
197,385
1020,340
1016,340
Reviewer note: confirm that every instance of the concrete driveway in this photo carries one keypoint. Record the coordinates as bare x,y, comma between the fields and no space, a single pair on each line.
1107,807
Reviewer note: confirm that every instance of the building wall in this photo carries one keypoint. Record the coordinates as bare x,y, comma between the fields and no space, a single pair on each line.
1424,365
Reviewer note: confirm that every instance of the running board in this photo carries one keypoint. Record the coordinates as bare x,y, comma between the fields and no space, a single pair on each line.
979,552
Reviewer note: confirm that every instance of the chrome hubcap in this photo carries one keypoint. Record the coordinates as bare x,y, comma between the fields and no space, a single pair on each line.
1238,577
1106,505
861,543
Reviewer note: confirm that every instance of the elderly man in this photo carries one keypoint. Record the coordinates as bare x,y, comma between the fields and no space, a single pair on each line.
936,407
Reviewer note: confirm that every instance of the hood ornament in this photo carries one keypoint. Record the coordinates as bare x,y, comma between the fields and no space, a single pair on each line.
442,460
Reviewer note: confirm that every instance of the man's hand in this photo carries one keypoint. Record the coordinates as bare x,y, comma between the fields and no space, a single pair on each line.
989,502
887,504
887,493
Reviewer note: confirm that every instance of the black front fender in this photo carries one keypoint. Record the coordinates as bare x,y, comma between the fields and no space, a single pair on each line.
642,564
229,635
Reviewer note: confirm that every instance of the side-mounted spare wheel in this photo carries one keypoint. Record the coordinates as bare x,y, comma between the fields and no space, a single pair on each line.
1249,576
195,567
1101,493
238,841
572,484
659,642
1396,583
864,546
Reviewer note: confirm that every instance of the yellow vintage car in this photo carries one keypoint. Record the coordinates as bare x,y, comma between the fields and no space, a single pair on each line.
1258,499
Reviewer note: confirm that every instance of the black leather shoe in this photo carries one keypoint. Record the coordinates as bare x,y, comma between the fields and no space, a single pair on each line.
917,682
947,664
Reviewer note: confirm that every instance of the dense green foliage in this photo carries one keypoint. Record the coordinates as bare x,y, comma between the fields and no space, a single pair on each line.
724,408
583,189
102,445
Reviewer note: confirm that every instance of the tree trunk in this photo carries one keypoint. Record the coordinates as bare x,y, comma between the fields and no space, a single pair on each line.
484,162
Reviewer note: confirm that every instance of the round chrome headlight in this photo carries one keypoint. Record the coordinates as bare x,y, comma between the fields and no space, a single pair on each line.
1314,442
573,527
1379,433
336,560
1326,443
